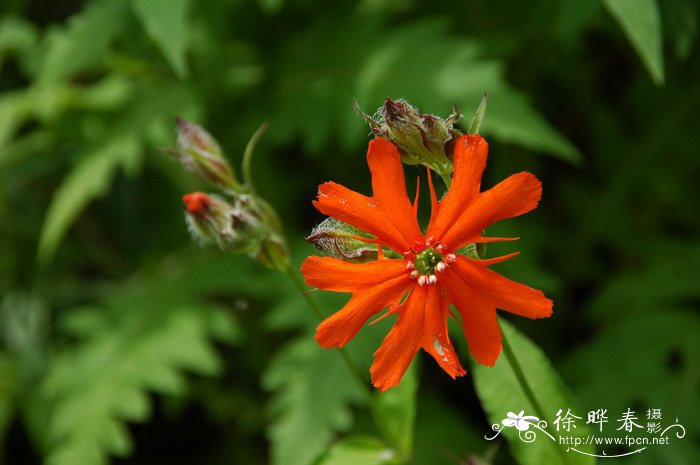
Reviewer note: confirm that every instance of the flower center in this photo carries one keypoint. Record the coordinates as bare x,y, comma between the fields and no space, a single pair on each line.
426,261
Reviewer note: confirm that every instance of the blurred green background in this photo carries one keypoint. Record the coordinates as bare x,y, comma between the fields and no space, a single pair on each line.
122,342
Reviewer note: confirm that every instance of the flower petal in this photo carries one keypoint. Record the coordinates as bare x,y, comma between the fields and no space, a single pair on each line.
399,347
470,153
514,196
505,294
333,274
478,314
341,327
357,209
436,340
388,214
422,322
389,188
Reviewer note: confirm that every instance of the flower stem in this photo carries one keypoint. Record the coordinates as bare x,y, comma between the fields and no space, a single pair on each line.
354,371
248,157
525,386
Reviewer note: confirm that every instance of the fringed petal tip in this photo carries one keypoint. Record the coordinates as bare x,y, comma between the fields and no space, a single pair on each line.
328,338
488,358
545,310
382,379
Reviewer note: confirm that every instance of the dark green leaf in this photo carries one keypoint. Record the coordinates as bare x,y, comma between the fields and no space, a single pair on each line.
84,42
641,23
314,392
165,21
89,179
500,393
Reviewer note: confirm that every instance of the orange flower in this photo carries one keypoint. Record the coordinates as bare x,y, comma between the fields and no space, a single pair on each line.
432,274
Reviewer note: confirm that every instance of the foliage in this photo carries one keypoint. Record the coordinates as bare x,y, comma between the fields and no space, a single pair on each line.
118,336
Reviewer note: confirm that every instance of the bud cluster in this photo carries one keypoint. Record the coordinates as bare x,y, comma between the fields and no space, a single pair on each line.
421,138
238,220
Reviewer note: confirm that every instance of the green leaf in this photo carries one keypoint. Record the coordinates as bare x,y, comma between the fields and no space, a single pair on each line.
511,118
89,179
500,393
84,42
449,70
396,409
312,403
641,23
165,21
138,341
358,450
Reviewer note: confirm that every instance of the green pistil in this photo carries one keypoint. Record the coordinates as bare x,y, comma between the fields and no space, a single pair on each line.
426,261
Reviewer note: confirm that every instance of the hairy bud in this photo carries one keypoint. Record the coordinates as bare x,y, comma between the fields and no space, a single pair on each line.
199,153
233,227
421,138
340,240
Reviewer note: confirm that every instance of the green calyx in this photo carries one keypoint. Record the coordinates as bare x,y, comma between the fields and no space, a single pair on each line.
426,261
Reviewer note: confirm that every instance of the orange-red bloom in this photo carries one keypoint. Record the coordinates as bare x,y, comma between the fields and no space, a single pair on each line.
420,287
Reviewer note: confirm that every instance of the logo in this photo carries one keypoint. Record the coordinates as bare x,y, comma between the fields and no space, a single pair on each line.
631,432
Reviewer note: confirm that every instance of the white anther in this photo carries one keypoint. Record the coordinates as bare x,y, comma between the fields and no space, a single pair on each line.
432,279
430,241
410,265
441,248
422,279
449,258
441,266
414,274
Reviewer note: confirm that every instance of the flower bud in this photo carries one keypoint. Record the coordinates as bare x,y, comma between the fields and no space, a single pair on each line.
273,252
337,239
234,228
199,153
422,138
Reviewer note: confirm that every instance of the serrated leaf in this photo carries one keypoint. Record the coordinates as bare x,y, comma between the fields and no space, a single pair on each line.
500,393
91,390
89,179
165,21
314,391
84,42
358,450
641,23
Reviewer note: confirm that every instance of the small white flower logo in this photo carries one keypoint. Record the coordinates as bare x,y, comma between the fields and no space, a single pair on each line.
520,421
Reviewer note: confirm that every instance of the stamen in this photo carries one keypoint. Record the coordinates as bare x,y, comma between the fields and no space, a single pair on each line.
410,265
441,266
450,258
432,279
414,274
422,279
442,248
